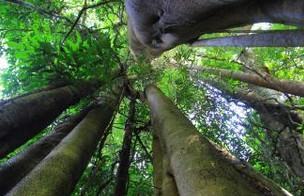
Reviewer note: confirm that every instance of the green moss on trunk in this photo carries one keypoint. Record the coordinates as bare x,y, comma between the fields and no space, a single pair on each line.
58,173
197,166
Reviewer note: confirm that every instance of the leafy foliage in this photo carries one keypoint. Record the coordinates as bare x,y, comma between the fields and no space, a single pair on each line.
40,51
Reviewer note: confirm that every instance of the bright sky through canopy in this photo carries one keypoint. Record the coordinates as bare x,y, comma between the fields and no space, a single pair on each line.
3,62
3,66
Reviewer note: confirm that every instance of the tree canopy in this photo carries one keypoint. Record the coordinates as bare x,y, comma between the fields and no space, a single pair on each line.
71,41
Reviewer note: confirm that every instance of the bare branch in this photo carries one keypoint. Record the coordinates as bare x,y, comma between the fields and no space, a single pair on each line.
85,7
284,38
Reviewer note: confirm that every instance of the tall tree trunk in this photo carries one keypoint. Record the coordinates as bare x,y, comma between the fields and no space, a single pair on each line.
289,38
59,172
157,166
164,183
197,166
24,117
265,80
281,122
124,155
19,166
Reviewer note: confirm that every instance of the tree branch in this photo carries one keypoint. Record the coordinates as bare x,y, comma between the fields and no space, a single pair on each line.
37,9
85,7
280,38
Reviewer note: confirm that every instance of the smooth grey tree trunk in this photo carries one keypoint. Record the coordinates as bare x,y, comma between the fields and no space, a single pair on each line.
268,39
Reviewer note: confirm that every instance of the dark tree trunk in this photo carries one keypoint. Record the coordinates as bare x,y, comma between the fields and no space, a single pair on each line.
157,166
268,39
58,173
24,117
124,156
198,167
19,166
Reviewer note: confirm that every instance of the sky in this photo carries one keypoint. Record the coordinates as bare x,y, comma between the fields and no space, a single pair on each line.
3,66
3,62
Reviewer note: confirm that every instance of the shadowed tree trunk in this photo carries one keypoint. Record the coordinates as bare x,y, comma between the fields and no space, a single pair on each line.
268,39
157,158
125,153
265,80
17,167
163,180
198,167
59,172
24,117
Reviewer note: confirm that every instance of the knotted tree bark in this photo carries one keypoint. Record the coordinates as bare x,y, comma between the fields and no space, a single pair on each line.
59,172
24,117
198,167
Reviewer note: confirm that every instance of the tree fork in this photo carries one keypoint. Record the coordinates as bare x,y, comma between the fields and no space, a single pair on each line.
17,167
198,167
125,153
24,117
59,172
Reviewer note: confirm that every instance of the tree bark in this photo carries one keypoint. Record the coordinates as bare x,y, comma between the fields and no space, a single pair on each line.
281,124
281,121
285,86
24,117
157,158
197,166
58,173
19,166
290,38
124,155
160,25
163,180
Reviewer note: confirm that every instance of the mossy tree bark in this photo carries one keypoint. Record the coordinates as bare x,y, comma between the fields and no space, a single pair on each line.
125,153
198,167
58,173
24,117
19,166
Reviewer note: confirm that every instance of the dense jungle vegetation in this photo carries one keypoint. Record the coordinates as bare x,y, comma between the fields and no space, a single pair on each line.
80,47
